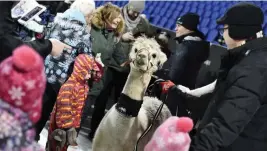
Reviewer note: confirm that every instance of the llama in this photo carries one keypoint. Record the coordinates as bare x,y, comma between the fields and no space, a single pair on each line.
124,123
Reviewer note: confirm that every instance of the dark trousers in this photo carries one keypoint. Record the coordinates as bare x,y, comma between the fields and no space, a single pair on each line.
49,99
114,80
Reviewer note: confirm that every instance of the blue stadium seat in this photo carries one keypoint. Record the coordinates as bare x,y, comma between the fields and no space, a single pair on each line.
179,8
149,3
156,19
212,35
168,13
172,7
165,13
186,9
204,30
212,24
156,11
167,4
194,4
222,11
176,14
193,9
150,10
207,13
208,7
215,8
205,22
201,6
163,21
161,4
264,6
200,11
215,15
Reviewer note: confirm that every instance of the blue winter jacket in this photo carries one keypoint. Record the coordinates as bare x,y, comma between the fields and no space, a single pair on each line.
70,28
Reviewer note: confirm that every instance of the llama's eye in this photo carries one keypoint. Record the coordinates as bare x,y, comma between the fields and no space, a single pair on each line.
135,50
154,55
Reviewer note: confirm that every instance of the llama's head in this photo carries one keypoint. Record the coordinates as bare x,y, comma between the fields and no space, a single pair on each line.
146,55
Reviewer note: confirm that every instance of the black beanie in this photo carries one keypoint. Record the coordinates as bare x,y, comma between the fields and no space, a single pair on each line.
189,21
244,20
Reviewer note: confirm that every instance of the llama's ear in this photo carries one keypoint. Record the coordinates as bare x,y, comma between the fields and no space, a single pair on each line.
162,59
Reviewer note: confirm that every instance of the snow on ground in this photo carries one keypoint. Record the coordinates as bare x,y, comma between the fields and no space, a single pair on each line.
83,143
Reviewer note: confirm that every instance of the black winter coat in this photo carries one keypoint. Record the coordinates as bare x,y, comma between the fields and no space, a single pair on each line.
188,58
209,70
236,119
8,41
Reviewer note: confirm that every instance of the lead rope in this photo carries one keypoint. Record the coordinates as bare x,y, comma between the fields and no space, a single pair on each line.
158,110
152,123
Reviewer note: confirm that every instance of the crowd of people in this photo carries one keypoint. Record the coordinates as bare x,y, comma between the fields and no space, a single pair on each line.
84,57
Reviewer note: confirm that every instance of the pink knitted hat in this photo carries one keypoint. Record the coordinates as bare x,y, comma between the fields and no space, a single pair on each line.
172,135
23,81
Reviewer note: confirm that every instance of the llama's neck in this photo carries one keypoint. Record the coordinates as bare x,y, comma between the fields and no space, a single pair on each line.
136,84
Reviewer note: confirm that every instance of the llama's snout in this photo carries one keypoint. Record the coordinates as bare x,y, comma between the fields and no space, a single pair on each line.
141,59
142,56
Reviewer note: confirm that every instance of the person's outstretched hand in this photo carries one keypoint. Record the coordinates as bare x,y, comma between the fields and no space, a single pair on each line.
165,86
127,36
98,59
184,89
58,47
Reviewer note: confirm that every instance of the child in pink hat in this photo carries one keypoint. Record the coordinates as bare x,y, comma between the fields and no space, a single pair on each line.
22,86
172,135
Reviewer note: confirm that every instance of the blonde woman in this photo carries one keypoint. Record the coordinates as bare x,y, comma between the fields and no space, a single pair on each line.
107,27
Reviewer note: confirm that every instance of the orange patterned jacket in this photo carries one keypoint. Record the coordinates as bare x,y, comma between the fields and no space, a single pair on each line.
72,95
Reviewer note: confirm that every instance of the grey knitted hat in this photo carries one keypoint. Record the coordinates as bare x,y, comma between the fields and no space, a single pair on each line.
136,5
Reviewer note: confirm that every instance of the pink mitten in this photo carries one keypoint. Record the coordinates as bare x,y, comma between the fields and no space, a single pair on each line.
172,135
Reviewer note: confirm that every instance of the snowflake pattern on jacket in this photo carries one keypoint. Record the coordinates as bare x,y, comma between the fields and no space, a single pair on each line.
73,31
16,130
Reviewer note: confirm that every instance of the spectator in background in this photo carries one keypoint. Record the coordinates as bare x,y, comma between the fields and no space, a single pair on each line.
236,118
191,52
117,71
184,64
22,86
107,27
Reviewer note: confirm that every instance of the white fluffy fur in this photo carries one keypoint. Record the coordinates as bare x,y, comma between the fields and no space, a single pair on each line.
117,132
85,6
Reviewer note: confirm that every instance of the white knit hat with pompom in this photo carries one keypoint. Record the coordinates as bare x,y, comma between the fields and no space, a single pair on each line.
85,6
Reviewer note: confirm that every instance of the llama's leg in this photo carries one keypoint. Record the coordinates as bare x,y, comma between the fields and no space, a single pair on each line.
102,138
99,111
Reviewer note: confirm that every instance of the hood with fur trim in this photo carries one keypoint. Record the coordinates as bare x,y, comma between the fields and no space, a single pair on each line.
98,22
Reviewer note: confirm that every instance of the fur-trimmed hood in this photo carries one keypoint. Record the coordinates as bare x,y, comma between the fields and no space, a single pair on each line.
66,20
98,22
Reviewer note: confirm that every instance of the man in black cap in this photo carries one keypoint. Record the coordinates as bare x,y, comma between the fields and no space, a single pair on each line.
191,52
187,59
236,119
